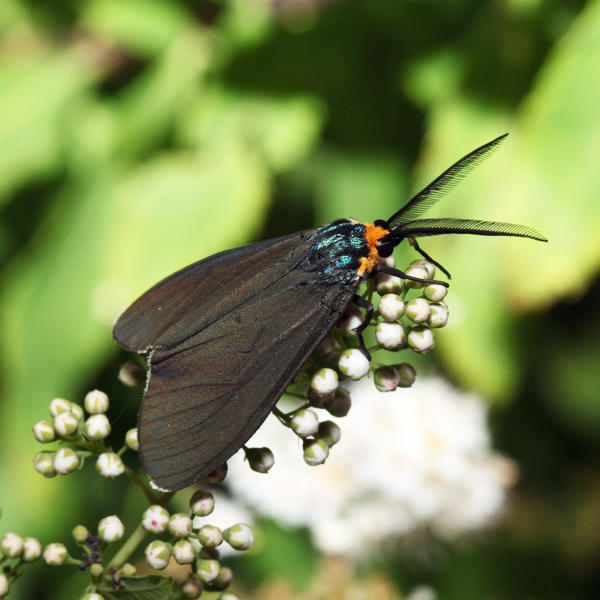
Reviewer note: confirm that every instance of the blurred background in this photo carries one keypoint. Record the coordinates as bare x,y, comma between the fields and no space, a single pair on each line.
138,136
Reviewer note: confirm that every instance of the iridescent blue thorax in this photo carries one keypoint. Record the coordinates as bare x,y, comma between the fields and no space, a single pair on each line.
336,251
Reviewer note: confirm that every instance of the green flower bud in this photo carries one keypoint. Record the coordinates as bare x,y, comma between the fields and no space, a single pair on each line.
59,405
32,549
386,379
77,410
202,503
353,363
192,588
424,264
228,596
11,545
96,402
210,536
96,570
180,525
65,423
340,404
304,422
55,554
131,439
158,554
319,400
350,320
416,271
208,570
435,292
391,307
406,373
131,374
329,432
438,316
388,284
315,452
65,461
420,339
110,465
128,570
223,579
91,595
97,427
155,519
183,552
417,310
239,536
391,336
324,381
43,463
260,459
44,432
80,534
4,585
111,529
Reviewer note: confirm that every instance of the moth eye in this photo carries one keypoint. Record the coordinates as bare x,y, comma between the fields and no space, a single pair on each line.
384,249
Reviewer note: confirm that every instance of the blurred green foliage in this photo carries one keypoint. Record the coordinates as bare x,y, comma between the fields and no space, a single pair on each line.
138,136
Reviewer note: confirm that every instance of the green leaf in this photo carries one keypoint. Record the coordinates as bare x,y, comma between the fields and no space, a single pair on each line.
149,587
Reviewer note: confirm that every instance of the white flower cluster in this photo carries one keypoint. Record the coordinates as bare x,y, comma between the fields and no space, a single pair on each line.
410,458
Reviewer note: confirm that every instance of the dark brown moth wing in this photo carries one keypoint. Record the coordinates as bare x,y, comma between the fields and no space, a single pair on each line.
209,390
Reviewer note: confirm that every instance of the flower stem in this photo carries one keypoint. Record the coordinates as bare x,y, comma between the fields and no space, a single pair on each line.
126,550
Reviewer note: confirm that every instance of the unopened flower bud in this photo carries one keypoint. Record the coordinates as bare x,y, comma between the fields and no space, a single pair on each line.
155,519
416,271
77,410
65,423
217,475
223,579
65,461
239,536
96,570
304,422
80,533
315,452
4,585
192,588
55,554
111,529
438,316
131,439
32,549
420,339
386,379
435,292
406,373
183,552
260,459
391,336
350,320
391,307
202,503
158,554
180,525
353,363
228,596
11,545
96,402
110,465
417,310
131,374
44,432
388,284
324,381
97,427
329,432
319,400
59,405
340,404
91,596
208,570
128,570
387,261
43,463
429,267
210,536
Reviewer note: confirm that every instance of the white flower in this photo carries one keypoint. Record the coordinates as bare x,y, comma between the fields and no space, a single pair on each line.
4,585
180,525
44,432
97,427
55,554
32,549
158,554
65,461
96,402
183,552
111,529
110,465
11,545
155,519
410,459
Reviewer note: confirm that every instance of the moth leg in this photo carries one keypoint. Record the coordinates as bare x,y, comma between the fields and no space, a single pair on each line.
426,256
403,275
362,303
